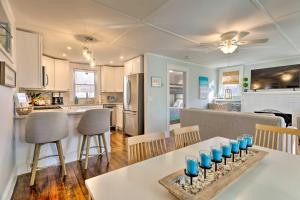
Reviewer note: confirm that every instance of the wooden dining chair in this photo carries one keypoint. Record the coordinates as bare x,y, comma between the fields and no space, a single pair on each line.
146,146
278,138
186,136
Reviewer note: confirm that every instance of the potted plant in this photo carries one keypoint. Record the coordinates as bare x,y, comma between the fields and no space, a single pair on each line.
245,84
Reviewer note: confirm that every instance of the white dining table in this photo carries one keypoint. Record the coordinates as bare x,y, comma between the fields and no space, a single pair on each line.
277,176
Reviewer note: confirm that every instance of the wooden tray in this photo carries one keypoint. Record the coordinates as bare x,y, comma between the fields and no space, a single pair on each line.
211,190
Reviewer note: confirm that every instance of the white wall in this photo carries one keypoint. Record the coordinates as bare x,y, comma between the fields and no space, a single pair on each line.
156,99
7,146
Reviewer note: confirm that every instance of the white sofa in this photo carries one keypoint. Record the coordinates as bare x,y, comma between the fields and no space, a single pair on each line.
225,124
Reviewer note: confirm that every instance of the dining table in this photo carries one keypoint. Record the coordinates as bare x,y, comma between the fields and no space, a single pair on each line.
276,176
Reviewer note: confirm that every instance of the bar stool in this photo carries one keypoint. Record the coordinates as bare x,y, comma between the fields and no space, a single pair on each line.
94,122
43,128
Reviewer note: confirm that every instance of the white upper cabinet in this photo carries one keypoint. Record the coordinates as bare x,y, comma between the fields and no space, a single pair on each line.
112,79
62,75
134,66
29,55
48,64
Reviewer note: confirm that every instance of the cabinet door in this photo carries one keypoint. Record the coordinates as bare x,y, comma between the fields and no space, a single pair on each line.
108,79
62,75
48,63
120,116
28,56
119,75
128,68
137,65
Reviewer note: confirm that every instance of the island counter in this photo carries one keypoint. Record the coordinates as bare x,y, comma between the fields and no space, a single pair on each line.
71,144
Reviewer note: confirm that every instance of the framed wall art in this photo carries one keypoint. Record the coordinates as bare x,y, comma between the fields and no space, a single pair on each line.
7,75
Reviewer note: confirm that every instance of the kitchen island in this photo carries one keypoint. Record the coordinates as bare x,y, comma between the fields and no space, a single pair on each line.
71,144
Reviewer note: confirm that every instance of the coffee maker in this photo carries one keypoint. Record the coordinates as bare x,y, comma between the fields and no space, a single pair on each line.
57,98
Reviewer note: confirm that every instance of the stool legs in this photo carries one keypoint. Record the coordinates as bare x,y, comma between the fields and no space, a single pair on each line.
87,152
61,157
105,147
34,163
82,146
100,144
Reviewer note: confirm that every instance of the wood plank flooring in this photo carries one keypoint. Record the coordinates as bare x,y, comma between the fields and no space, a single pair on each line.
50,184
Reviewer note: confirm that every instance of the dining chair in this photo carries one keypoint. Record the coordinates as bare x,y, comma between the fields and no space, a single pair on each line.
146,146
278,138
186,136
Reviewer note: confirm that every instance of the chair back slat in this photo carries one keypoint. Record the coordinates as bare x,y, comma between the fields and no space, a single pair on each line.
146,146
186,136
278,138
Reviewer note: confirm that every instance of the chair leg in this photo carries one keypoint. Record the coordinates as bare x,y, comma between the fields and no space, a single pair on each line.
105,147
82,147
61,157
87,152
34,163
100,144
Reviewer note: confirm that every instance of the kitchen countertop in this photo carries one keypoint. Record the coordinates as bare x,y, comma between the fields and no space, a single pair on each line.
69,110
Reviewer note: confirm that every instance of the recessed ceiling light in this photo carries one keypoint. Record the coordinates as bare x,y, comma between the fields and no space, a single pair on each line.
121,57
64,55
111,62
69,48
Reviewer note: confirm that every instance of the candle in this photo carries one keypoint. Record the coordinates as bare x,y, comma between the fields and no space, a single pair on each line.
242,142
249,139
191,165
234,146
205,159
216,153
226,150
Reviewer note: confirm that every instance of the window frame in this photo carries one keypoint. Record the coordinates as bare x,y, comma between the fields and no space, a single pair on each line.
95,82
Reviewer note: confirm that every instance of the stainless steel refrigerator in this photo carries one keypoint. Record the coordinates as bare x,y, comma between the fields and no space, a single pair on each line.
134,104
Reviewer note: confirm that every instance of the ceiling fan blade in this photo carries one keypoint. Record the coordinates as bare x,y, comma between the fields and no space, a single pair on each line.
208,45
241,35
229,35
256,41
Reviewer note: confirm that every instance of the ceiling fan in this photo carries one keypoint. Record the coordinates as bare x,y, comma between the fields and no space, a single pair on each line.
231,40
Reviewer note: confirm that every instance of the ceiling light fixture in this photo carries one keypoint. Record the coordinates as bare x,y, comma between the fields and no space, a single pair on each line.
121,57
228,46
111,62
64,55
89,56
69,48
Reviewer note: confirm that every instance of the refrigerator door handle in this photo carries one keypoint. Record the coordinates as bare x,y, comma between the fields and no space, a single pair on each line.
128,92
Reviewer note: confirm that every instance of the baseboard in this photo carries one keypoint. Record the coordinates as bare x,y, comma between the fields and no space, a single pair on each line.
9,189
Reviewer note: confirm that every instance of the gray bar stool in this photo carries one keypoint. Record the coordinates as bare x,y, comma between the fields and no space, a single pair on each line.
94,122
43,128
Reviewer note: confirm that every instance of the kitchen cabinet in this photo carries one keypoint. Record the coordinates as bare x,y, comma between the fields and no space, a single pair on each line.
134,66
112,79
119,117
49,65
57,73
62,75
29,56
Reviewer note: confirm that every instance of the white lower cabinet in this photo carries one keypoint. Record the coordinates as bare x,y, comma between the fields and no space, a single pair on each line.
120,117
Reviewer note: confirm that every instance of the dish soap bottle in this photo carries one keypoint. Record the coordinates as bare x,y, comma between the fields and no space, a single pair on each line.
76,100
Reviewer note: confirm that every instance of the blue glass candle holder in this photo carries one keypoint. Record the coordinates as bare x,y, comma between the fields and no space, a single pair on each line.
249,139
226,150
205,160
191,169
216,155
242,144
234,144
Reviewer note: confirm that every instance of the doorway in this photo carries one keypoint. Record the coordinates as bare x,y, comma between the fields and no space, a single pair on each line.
177,96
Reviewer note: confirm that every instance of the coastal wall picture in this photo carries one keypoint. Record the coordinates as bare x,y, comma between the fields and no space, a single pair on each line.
7,75
203,87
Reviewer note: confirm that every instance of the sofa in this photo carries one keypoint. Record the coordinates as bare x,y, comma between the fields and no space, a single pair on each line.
225,124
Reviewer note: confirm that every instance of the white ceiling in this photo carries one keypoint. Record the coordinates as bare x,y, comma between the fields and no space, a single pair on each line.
168,27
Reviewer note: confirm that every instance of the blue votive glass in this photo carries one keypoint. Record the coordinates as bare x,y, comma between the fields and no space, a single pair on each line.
205,159
216,153
242,142
191,165
226,150
234,146
249,139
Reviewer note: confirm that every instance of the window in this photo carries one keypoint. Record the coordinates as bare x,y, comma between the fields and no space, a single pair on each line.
85,84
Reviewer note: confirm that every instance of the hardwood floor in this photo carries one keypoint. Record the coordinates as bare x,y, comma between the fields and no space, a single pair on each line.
50,184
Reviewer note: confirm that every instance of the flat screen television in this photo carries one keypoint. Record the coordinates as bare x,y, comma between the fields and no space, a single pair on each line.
276,77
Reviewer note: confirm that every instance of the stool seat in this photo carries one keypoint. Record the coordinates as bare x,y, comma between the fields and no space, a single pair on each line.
46,127
95,122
